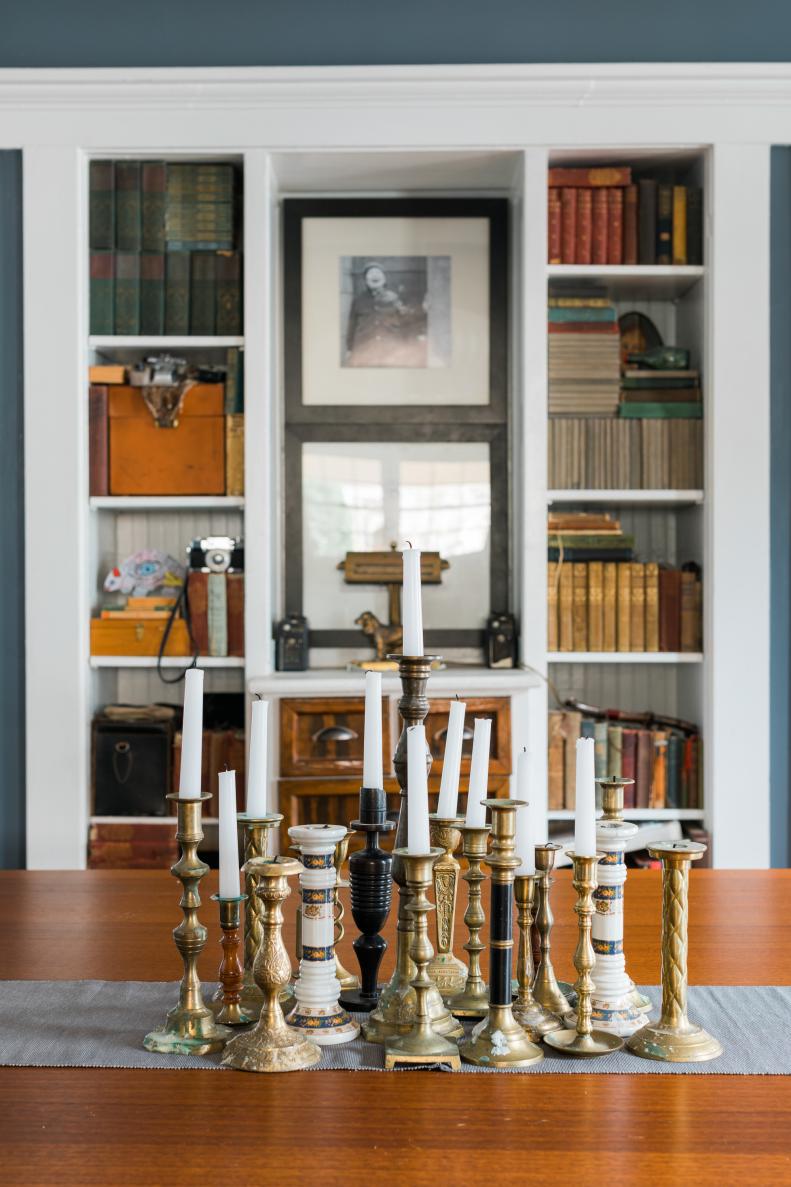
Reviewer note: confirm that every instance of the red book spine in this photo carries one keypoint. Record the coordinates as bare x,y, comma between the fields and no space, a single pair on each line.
614,226
629,766
583,327
599,226
235,602
569,226
554,233
198,600
584,226
599,175
630,225
98,452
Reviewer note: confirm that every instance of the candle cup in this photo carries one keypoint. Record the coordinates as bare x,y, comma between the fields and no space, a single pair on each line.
674,1039
583,1040
190,1027
546,989
271,1046
346,979
369,876
532,1017
421,1044
231,974
473,1000
448,973
256,845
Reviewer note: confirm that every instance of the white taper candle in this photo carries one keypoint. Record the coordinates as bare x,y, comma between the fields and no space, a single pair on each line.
417,791
451,762
257,803
192,736
479,773
412,610
229,845
372,746
585,805
525,840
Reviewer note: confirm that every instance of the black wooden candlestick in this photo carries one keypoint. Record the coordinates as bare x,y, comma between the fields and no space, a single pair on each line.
370,879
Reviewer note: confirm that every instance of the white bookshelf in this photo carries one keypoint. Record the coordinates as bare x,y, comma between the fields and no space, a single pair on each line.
166,503
653,282
639,814
167,661
624,657
161,343
638,498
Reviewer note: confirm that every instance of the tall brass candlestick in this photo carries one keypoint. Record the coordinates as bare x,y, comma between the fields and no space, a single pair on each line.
190,1027
532,1017
546,990
256,845
674,1038
448,973
473,1001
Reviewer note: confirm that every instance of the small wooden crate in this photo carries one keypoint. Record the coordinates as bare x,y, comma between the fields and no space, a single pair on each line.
138,637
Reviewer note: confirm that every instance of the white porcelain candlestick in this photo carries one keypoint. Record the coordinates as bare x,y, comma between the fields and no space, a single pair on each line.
317,1012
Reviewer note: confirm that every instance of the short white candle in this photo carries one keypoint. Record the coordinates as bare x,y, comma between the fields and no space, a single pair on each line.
479,774
257,773
412,611
229,845
524,841
417,791
372,746
192,736
448,804
585,806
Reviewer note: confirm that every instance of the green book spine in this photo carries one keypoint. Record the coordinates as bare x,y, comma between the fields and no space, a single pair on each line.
661,411
202,298
234,390
102,292
153,205
582,313
656,380
600,749
127,293
675,756
229,293
152,293
664,225
101,206
127,206
177,292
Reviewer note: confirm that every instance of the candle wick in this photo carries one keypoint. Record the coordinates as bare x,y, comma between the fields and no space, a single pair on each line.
409,542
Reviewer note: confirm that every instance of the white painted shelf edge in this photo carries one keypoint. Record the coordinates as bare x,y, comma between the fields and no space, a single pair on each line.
665,282
146,820
166,502
168,661
624,657
646,497
639,814
182,342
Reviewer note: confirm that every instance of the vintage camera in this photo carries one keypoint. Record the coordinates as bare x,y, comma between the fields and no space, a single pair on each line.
216,554
164,370
501,638
291,644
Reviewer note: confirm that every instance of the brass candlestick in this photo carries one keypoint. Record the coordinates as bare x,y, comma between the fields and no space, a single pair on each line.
546,990
421,1044
231,973
535,1020
674,1038
583,1039
498,1040
347,980
473,1001
448,973
271,1046
256,845
190,1027
396,1009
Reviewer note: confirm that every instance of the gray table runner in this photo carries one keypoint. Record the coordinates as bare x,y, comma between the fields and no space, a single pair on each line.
102,1024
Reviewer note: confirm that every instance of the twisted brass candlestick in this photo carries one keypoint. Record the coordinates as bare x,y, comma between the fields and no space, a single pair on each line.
347,980
421,1044
674,1038
190,1027
271,1046
231,973
256,845
535,1020
546,989
448,973
396,1009
583,1039
473,1001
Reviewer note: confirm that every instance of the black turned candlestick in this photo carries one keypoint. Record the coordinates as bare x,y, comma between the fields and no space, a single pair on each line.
370,872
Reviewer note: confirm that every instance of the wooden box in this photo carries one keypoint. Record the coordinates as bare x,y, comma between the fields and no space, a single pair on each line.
186,460
112,636
324,736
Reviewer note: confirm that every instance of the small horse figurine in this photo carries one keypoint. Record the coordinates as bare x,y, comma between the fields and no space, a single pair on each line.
387,637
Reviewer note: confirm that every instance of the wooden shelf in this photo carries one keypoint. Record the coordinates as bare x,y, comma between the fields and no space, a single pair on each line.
639,814
650,281
168,661
167,502
163,820
624,657
166,342
645,498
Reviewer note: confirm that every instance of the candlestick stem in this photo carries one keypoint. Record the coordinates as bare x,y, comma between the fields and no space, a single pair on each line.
535,1020
448,973
473,1000
546,989
231,972
256,845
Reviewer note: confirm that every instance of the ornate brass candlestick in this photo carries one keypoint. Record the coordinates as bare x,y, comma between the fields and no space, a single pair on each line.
271,1046
448,973
396,1009
347,980
583,1039
532,1017
473,1001
546,990
674,1038
498,1040
190,1027
256,845
231,973
421,1044
369,875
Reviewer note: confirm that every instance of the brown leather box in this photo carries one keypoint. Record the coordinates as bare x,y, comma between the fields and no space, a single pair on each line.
186,460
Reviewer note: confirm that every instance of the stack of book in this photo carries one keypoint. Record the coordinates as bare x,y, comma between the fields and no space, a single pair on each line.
624,453
126,843
601,216
216,609
162,242
584,356
148,608
665,763
668,395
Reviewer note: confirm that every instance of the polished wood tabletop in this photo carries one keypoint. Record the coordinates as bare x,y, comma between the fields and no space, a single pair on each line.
113,1127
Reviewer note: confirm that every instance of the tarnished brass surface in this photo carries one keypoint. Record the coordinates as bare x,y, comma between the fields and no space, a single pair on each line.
473,1000
546,990
531,1016
445,969
256,845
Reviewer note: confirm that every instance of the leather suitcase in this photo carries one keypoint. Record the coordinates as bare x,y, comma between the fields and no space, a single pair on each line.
131,767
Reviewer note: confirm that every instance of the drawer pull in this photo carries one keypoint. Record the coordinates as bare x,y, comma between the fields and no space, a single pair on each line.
334,733
466,735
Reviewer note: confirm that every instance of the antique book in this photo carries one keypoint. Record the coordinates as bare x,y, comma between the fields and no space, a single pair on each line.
234,380
679,224
615,751
234,454
217,614
599,229
98,459
615,226
555,772
127,293
652,606
152,184
609,606
568,225
624,606
107,373
198,602
177,292
630,213
235,602
228,293
637,621
689,612
646,221
202,292
102,292
127,206
554,226
664,410
152,293
596,606
600,749
629,765
553,641
675,758
644,768
664,224
580,615
572,723
694,225
584,226
101,206
658,794
566,608
598,175
669,610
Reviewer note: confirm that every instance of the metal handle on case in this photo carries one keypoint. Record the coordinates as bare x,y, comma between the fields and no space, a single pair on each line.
334,733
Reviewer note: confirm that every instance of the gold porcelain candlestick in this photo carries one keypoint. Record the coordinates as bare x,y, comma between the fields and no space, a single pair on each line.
546,990
231,975
190,1027
473,1001
347,980
256,845
583,1039
421,1044
448,973
674,1038
532,1017
271,1046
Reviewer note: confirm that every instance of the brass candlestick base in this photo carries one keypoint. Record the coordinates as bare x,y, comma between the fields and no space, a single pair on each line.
231,969
583,1039
256,845
473,1001
674,1038
532,1017
546,989
421,1044
448,973
271,1046
190,1027
347,980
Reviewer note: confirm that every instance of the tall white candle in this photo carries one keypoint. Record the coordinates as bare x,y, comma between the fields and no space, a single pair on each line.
417,790
479,773
585,806
257,774
372,748
192,736
524,817
412,611
229,845
451,763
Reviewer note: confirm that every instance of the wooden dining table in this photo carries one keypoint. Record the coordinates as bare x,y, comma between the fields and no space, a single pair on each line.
113,1127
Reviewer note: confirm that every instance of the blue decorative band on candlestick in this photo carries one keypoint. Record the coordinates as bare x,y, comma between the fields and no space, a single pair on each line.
319,1022
602,1015
325,895
612,859
608,892
608,947
310,952
317,861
